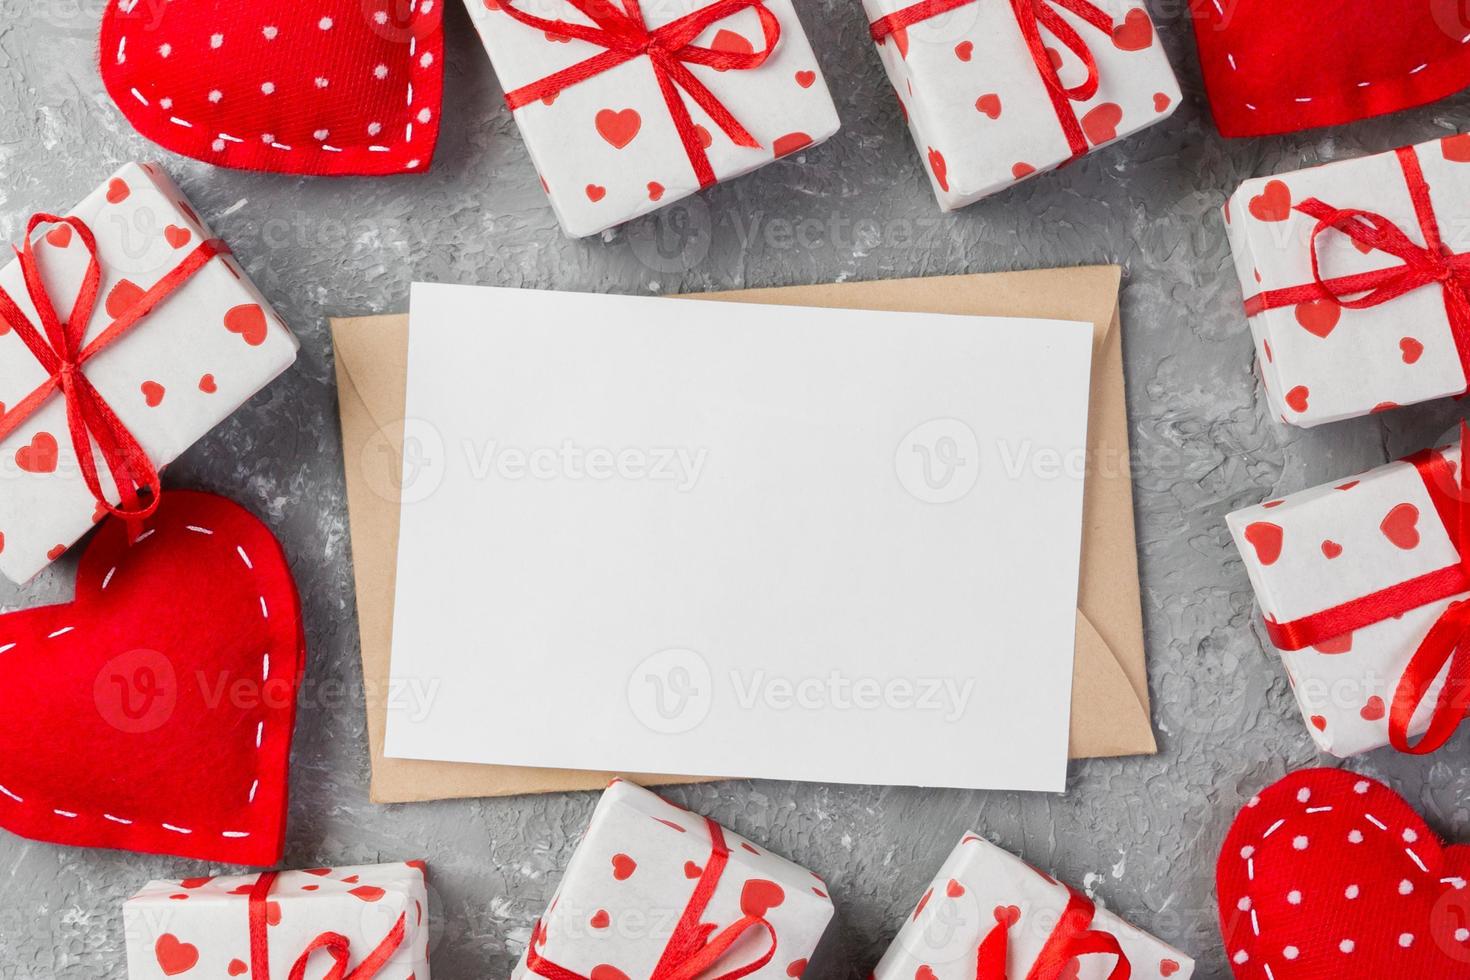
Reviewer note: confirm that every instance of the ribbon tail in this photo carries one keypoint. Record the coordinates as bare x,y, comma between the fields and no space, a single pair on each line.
994,951
663,66
384,951
719,947
1446,643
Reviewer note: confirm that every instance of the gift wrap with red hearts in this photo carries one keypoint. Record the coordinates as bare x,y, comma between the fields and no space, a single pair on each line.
607,145
654,890
991,915
1328,874
180,370
1351,578
375,919
990,88
1382,328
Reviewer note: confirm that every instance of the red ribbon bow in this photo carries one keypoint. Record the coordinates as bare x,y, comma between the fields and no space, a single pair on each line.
1032,15
338,946
1423,265
1072,939
670,49
58,347
1448,640
695,947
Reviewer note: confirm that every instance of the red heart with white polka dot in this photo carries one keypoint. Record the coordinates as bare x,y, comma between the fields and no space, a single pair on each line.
331,87
1331,874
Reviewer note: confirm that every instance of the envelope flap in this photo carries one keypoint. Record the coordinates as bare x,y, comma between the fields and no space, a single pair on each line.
373,354
1125,727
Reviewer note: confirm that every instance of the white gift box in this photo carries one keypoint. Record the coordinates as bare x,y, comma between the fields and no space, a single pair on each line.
980,110
182,369
1319,361
607,148
633,877
1322,548
201,927
981,888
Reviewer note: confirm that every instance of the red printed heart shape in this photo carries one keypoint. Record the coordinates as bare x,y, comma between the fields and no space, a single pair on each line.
1273,203
1135,33
160,702
1100,123
174,955
618,126
1329,874
328,88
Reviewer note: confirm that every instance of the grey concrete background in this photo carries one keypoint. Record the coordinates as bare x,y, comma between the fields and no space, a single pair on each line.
1141,834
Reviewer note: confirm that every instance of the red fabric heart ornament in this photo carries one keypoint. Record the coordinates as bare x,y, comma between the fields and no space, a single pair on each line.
1273,67
154,712
333,87
1329,874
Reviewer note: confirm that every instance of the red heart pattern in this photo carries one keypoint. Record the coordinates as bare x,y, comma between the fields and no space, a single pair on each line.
1330,874
153,393
989,104
940,169
1401,526
1266,539
175,956
1319,317
332,87
247,320
39,455
1100,123
623,867
169,723
618,126
1136,33
1273,203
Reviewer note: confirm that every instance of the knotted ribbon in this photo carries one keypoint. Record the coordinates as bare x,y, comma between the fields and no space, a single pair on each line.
696,947
1032,16
625,35
1422,265
338,946
58,347
1448,640
1072,938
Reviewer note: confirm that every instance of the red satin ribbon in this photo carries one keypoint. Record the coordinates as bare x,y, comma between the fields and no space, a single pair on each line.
338,946
91,421
1072,938
1032,15
1423,265
624,34
695,947
1448,640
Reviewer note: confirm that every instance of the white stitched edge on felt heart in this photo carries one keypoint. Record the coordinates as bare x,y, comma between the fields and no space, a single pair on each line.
1302,99
259,728
416,9
1347,944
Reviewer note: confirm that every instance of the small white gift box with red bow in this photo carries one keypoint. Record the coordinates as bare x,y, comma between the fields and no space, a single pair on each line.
370,923
656,891
989,915
627,109
127,331
995,92
1355,281
1360,583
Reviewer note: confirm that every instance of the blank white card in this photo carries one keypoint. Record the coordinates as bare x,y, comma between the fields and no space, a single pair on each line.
659,535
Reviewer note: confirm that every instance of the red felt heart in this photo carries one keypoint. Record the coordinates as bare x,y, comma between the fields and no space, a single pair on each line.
1328,874
160,703
618,126
1382,57
331,87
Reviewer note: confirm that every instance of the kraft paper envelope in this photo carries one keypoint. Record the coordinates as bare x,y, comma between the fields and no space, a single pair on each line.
1110,701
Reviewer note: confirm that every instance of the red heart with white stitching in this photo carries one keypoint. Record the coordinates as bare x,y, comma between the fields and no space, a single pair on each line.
331,87
1329,874
158,706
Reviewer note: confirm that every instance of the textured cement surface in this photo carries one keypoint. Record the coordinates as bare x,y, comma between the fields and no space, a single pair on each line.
1141,833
